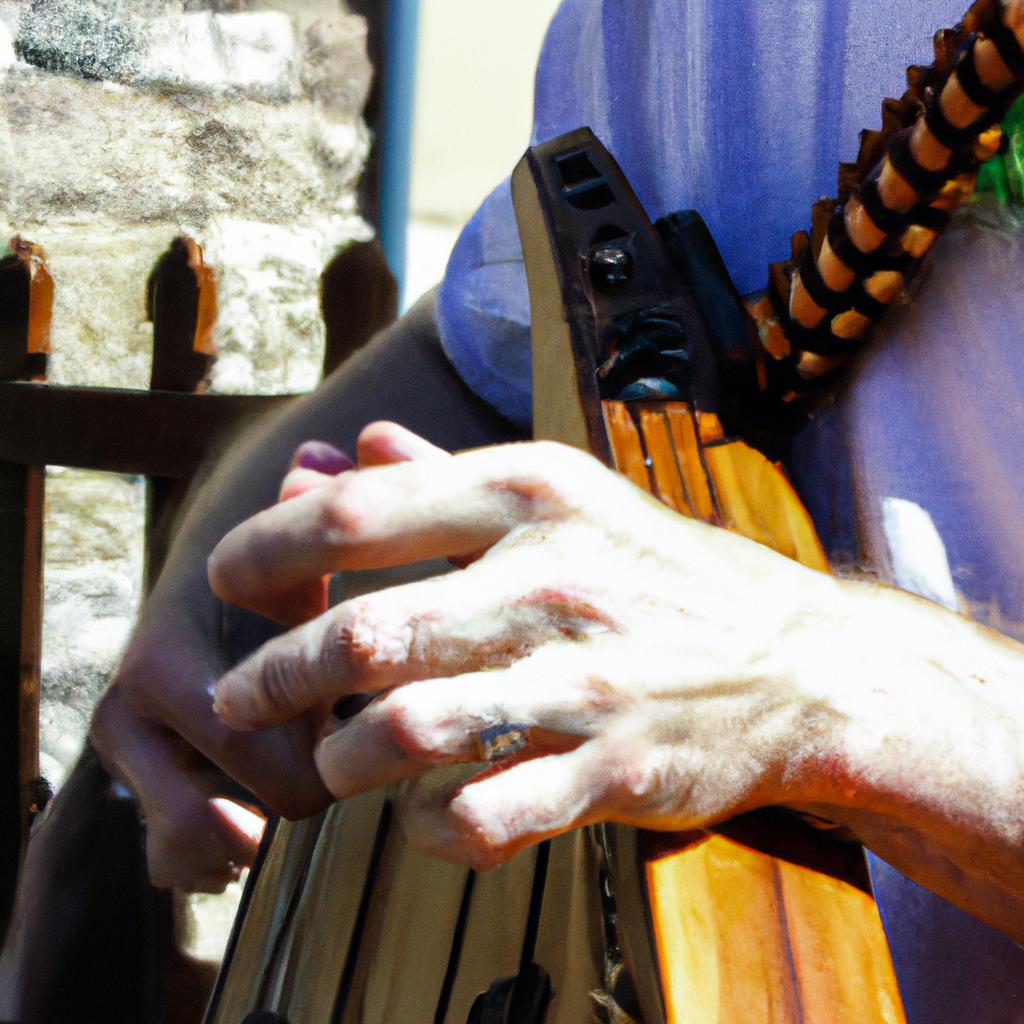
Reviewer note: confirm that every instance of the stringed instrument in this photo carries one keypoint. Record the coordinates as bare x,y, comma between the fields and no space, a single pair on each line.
643,355
767,921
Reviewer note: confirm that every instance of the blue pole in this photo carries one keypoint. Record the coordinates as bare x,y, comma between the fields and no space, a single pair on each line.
398,86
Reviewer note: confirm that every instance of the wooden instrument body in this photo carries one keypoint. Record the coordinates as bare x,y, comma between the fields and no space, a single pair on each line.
715,927
743,930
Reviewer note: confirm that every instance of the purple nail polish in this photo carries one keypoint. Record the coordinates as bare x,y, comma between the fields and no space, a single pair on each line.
323,458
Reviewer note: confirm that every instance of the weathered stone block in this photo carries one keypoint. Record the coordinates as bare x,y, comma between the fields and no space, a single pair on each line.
122,124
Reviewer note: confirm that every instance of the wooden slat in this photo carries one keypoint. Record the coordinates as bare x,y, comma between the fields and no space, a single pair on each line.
26,301
684,440
358,297
669,483
182,304
408,937
318,943
570,939
26,306
160,433
756,500
182,298
21,502
627,448
722,929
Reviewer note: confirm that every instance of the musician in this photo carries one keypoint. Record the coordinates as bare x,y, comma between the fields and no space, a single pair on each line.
664,673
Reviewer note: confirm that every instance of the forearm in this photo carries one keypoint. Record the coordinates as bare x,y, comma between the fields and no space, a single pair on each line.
402,375
924,755
158,705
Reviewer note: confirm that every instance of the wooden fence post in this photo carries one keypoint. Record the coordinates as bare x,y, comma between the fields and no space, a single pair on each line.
182,304
26,302
358,298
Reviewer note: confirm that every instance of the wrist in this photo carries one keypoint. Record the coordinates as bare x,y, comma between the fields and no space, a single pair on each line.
910,703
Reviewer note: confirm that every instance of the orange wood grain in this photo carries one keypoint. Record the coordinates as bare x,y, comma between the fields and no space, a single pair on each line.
627,450
687,452
741,935
756,500
669,483
842,966
40,296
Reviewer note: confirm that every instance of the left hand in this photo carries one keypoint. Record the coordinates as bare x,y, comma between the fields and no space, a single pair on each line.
654,660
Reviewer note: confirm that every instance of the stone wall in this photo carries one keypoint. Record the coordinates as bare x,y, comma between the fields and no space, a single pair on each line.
122,124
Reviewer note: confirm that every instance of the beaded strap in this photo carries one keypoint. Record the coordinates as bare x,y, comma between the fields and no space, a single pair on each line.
894,202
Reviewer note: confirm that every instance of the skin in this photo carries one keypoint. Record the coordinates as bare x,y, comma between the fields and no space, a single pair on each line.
671,674
154,728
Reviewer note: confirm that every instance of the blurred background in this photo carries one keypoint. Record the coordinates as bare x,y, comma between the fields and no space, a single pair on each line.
471,117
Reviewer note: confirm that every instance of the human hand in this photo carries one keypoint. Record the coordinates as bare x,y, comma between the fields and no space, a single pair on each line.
155,719
651,661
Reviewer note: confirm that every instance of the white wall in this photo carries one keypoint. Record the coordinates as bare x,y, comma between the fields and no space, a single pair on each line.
474,98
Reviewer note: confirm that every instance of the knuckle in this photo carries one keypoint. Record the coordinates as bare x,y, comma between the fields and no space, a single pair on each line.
345,518
361,643
480,849
347,650
574,609
337,782
278,682
631,775
407,728
601,696
481,842
546,477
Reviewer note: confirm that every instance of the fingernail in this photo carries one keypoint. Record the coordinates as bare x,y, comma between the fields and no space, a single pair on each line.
226,707
321,457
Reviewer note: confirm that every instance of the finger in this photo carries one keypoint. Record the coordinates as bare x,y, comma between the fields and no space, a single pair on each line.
490,818
550,696
306,600
321,457
483,618
298,481
313,464
381,444
390,515
299,602
277,765
189,841
248,823
168,678
384,443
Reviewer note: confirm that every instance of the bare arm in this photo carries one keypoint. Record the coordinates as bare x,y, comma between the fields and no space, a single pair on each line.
926,754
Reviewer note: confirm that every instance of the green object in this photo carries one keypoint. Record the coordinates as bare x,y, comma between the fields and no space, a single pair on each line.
1003,175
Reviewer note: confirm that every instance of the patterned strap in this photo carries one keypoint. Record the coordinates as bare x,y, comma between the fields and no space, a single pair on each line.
893,203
